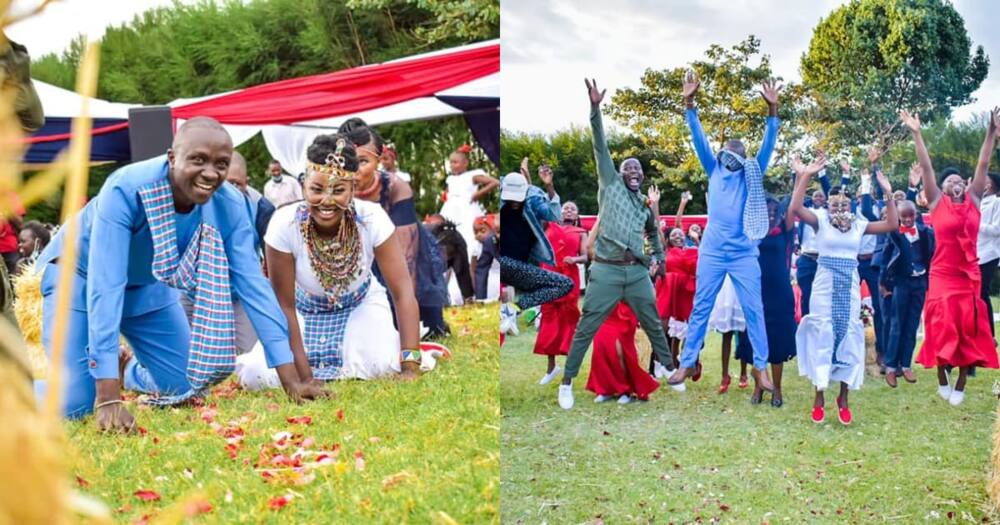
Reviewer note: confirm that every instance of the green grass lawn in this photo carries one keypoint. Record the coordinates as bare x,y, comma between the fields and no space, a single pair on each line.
698,456
430,448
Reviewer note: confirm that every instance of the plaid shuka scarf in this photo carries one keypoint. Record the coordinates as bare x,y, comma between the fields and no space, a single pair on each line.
842,270
203,273
755,220
325,324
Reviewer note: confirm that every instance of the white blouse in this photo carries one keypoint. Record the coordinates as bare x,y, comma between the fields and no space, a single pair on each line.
283,234
831,242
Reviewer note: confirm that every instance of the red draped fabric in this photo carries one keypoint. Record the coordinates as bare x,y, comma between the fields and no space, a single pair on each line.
348,91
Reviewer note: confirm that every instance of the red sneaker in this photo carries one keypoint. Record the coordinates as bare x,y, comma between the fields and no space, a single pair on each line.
724,387
697,372
844,414
818,415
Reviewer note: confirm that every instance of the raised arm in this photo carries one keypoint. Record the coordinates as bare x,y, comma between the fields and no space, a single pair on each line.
607,173
679,219
931,190
701,147
653,224
979,179
891,221
803,176
769,91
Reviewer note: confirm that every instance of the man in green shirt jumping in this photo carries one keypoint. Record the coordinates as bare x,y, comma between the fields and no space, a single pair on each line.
621,268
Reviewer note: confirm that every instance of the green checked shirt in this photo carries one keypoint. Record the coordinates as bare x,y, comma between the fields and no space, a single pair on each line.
625,220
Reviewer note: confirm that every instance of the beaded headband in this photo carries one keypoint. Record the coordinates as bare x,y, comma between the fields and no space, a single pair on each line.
334,166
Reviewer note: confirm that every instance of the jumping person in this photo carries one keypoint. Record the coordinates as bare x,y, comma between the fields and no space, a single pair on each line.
621,268
737,213
830,340
956,326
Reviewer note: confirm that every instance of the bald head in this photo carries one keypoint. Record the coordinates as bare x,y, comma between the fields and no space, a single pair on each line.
237,174
199,161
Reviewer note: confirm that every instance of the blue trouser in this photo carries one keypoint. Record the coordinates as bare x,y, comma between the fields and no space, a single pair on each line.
888,311
744,270
160,340
869,274
805,272
908,301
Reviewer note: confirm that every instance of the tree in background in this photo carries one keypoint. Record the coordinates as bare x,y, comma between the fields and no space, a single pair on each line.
570,154
195,50
729,106
871,58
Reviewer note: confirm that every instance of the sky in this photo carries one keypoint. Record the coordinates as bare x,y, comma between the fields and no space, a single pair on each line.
547,48
54,29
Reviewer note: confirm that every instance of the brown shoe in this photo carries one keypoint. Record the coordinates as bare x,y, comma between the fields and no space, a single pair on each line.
679,375
762,379
908,376
890,378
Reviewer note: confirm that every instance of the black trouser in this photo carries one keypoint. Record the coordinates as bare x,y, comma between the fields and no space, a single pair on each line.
987,270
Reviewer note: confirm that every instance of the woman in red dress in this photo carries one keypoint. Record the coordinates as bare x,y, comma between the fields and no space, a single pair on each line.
559,317
956,323
675,290
614,367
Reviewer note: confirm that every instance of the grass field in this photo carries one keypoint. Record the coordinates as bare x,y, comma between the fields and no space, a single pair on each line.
429,450
698,456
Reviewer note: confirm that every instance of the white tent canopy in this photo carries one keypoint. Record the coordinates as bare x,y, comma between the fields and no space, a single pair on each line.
288,143
63,103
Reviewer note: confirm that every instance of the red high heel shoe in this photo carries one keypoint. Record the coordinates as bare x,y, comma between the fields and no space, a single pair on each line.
818,415
744,381
724,387
844,414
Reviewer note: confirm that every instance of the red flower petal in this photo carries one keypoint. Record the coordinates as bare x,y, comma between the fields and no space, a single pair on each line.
82,483
232,451
278,502
359,460
142,431
300,420
144,520
147,495
340,414
197,507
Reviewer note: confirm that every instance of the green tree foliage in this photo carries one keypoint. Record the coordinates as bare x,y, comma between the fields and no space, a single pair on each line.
871,58
570,154
729,105
186,51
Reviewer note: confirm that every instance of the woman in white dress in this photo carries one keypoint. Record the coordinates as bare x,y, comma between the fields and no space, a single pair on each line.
831,339
466,189
320,253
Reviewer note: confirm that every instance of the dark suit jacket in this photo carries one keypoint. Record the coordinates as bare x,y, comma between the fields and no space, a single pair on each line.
897,256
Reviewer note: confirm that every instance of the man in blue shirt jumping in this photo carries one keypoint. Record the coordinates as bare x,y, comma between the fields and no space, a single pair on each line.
737,221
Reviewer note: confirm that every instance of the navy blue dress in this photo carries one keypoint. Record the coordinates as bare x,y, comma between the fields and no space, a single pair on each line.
775,261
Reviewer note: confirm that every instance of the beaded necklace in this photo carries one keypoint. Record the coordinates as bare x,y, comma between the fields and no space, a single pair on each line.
335,260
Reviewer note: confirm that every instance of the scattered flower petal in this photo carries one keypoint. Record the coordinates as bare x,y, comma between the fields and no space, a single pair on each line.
196,507
147,495
340,414
279,502
82,483
300,420
359,460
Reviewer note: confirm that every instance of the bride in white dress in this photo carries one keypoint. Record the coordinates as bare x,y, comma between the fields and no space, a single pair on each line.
831,339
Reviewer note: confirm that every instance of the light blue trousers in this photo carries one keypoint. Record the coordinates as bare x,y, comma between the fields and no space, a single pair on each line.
159,339
745,274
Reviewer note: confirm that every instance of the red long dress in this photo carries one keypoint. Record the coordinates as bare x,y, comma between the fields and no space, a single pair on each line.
606,375
956,324
559,317
675,290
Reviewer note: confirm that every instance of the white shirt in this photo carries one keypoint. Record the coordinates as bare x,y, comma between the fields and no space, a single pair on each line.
283,234
868,242
284,191
835,243
401,175
988,246
808,241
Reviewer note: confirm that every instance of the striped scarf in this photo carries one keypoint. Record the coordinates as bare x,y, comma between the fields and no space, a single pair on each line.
203,273
325,324
840,301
